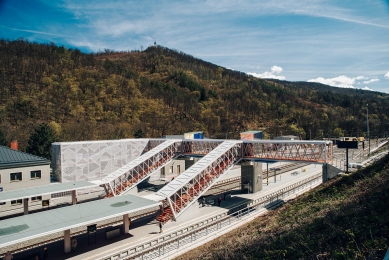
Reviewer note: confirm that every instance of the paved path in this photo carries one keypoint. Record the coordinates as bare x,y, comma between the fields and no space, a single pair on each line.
144,229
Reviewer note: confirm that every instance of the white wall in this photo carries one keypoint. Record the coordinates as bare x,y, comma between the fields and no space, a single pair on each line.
26,181
93,160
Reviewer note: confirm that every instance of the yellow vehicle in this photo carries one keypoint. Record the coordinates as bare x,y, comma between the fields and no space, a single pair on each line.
361,139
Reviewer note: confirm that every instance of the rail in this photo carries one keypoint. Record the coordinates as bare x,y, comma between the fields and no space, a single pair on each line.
161,246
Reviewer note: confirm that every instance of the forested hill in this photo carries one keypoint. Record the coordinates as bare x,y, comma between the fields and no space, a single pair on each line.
160,91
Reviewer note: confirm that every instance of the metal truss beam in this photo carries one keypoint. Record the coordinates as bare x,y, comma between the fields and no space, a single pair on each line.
199,147
299,151
193,183
138,170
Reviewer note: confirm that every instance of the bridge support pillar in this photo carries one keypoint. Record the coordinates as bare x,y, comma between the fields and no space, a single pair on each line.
74,197
66,241
25,206
126,224
251,177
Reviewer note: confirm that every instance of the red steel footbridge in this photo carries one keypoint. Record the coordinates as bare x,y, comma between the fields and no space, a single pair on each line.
217,157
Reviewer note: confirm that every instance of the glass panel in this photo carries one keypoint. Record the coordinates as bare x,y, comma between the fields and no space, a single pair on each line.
35,174
16,176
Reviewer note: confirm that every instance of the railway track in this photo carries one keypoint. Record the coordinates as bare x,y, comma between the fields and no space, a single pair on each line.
234,182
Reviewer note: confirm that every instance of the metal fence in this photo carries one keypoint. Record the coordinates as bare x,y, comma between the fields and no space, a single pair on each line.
175,241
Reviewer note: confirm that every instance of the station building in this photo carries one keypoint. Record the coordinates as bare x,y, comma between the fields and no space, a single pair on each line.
19,170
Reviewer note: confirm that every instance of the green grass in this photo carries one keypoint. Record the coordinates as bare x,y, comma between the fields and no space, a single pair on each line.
345,218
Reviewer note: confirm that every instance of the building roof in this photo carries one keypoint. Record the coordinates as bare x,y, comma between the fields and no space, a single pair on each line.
287,137
174,137
251,132
23,228
44,190
10,158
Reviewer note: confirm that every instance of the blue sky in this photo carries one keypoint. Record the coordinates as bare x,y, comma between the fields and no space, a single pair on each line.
340,43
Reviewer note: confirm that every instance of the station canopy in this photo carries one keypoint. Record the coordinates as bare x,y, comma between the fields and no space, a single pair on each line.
44,190
31,226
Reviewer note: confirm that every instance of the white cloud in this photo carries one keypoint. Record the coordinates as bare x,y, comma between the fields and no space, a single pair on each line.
273,74
340,81
371,81
367,88
387,75
344,81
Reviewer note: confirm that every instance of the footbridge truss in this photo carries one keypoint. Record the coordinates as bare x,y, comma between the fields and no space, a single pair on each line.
127,177
217,157
183,191
220,156
199,147
282,150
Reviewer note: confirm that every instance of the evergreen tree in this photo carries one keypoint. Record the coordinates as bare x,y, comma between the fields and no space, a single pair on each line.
3,140
40,141
139,134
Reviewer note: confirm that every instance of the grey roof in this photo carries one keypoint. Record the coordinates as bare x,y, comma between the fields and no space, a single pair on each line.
19,229
10,158
44,190
251,132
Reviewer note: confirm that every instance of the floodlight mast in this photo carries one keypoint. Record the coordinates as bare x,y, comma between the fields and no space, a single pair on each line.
367,125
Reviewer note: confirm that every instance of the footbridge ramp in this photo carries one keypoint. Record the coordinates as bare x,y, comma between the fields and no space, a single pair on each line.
131,174
183,191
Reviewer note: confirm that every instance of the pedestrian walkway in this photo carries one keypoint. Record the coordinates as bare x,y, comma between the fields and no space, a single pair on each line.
142,230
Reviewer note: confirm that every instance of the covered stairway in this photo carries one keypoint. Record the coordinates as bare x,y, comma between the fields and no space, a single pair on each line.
191,184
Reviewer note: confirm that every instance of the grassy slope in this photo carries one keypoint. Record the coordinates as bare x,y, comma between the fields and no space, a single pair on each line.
346,218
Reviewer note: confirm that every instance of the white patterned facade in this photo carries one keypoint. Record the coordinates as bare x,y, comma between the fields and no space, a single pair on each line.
93,160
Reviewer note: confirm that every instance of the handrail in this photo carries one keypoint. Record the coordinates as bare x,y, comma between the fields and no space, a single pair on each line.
169,238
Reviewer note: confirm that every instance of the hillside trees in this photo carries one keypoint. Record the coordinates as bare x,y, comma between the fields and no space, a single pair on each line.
40,141
163,91
3,140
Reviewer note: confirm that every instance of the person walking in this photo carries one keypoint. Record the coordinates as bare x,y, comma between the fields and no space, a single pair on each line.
219,200
160,227
45,254
74,244
8,256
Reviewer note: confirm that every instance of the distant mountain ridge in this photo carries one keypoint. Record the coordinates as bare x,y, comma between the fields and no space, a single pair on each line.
160,91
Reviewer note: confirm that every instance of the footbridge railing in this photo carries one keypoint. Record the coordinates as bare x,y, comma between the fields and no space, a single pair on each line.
128,176
191,184
199,147
285,150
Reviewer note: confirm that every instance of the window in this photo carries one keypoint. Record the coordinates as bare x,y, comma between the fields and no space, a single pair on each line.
178,169
37,198
16,202
35,174
171,169
16,176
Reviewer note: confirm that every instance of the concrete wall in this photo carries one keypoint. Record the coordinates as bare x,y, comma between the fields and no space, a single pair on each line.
26,182
172,169
251,176
329,172
93,160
